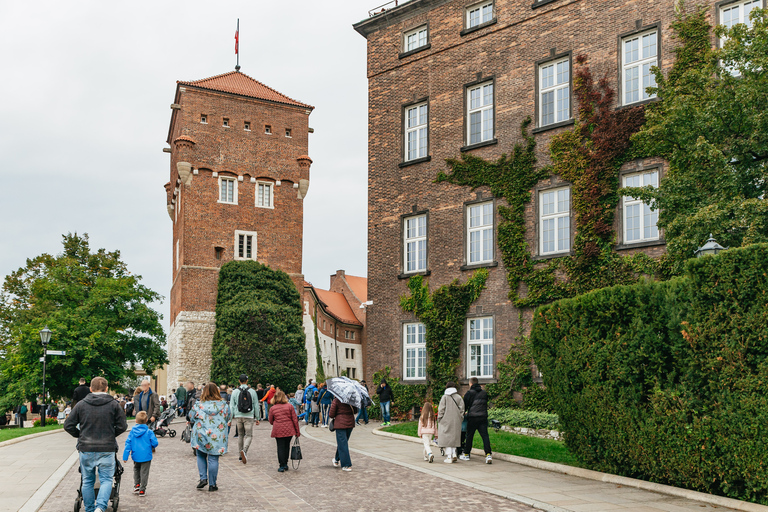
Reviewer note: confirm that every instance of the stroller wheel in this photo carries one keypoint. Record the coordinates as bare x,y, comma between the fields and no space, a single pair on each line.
115,504
160,432
172,433
78,503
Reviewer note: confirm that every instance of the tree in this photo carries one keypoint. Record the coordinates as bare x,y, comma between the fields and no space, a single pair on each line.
711,126
259,328
98,311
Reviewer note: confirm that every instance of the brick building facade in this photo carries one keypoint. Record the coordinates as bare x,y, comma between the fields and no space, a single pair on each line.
239,174
453,76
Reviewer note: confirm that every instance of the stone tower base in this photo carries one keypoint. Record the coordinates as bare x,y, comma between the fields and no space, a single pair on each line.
189,348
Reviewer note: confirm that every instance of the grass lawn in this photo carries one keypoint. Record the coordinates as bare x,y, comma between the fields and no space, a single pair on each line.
12,433
506,442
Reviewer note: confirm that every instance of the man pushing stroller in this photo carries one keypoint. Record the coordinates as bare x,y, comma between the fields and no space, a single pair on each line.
101,420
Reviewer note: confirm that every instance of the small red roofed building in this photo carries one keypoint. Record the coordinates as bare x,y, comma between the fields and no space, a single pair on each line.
339,314
239,173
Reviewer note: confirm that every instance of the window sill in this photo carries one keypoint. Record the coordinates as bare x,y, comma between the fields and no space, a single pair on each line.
414,51
479,145
638,103
226,202
540,3
415,161
553,126
479,27
488,264
480,380
640,245
413,381
412,274
546,257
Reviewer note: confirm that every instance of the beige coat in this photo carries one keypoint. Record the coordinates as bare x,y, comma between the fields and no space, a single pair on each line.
450,414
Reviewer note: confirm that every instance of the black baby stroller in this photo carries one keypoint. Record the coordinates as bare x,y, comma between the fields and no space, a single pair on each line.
162,425
114,497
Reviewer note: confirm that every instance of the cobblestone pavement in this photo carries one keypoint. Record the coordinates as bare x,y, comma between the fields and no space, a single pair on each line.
373,485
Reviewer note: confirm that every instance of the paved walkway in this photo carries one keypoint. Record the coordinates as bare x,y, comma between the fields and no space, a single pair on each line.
535,486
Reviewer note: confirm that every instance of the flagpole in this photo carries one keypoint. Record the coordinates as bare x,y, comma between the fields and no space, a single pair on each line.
237,45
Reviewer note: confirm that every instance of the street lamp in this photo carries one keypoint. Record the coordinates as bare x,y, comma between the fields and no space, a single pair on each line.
45,338
711,247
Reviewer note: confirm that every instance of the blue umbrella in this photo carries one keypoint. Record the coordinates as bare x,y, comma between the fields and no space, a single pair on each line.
349,391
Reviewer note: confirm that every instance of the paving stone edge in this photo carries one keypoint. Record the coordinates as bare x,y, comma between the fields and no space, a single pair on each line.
30,436
608,478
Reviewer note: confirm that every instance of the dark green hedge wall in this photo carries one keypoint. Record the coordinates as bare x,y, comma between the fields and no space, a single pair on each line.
667,381
259,328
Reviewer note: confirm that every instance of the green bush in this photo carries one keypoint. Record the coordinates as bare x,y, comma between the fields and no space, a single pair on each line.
537,398
404,396
259,328
524,419
666,381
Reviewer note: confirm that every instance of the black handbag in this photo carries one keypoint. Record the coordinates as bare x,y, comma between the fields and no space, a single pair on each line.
295,453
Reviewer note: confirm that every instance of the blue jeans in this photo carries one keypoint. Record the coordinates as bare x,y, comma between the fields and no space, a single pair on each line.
363,414
342,447
105,462
385,411
208,467
325,409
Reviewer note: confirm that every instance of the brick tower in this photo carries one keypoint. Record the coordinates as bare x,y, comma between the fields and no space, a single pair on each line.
239,174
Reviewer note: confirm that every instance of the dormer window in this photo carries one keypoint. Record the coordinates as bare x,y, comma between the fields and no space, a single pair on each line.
203,119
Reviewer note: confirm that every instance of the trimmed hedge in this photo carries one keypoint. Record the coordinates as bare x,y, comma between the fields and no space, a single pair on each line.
666,381
259,328
524,419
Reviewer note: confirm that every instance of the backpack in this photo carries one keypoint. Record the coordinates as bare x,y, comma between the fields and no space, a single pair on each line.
23,409
245,401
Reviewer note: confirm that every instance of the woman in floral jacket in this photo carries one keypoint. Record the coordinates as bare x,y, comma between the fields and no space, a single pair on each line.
211,416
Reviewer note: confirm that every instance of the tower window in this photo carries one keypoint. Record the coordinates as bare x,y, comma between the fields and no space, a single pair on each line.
247,126
203,119
287,132
225,122
264,195
218,251
227,190
268,129
245,245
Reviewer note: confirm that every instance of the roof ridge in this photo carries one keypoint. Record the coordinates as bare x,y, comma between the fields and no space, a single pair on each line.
205,83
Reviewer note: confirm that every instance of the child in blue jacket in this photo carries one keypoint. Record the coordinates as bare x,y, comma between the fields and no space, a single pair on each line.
140,444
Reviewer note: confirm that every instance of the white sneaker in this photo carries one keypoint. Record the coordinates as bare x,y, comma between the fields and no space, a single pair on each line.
431,458
335,463
488,459
464,456
449,460
98,510
346,469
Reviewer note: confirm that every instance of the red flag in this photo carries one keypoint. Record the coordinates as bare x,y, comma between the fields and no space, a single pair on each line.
237,40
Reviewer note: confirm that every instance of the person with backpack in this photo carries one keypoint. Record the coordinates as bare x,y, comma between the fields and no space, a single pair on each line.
181,398
326,399
476,406
244,405
309,393
23,410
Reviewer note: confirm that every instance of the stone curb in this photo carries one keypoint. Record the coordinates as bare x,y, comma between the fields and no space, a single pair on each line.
37,500
539,505
30,436
608,478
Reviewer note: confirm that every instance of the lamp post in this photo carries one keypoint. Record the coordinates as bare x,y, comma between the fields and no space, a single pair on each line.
711,247
45,338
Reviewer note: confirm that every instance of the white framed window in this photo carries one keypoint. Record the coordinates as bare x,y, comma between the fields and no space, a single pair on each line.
480,113
640,222
479,14
480,347
480,233
738,12
555,221
415,347
639,54
264,196
203,119
414,39
245,245
416,136
415,243
555,92
227,190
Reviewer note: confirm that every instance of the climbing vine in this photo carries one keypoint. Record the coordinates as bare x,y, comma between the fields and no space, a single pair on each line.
443,313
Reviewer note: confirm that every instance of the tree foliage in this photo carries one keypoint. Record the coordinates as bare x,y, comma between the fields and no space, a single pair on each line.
711,125
98,311
259,328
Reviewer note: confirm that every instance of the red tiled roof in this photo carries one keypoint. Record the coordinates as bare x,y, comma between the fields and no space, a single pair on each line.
337,306
236,82
359,286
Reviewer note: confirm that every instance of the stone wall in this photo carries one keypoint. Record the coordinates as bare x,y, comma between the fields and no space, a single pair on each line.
189,347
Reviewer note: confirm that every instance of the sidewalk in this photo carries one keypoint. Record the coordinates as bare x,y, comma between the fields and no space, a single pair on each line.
27,465
539,488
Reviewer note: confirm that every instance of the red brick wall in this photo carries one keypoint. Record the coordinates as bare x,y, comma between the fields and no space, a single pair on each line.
506,51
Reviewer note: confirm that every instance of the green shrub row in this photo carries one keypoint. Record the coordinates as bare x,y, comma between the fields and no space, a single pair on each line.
666,381
524,419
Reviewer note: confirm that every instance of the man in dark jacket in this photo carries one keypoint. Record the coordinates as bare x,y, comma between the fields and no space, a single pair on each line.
476,406
148,401
385,401
81,392
100,421
181,398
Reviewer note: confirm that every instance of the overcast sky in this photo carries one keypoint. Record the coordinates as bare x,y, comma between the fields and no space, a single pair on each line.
84,101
